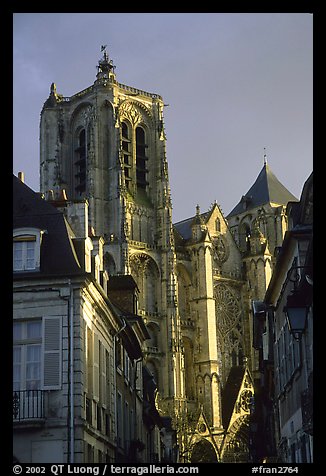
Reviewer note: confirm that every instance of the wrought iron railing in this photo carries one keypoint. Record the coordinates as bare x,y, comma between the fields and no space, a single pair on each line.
28,405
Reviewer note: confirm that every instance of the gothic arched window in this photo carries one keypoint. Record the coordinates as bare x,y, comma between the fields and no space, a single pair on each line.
126,152
244,237
141,168
80,163
189,368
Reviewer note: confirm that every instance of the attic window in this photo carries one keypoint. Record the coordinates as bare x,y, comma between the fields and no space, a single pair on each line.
246,201
26,249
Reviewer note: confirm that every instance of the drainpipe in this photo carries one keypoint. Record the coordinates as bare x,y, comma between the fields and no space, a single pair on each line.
115,377
137,361
72,415
68,297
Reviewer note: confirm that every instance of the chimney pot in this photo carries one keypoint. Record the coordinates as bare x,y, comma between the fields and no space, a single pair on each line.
21,176
50,195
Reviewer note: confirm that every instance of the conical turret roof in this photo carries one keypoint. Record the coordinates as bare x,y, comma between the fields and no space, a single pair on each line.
266,189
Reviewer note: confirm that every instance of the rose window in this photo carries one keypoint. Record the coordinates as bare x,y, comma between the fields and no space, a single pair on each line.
227,308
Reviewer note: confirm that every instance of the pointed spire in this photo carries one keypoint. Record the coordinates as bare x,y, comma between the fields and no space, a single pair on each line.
265,156
198,219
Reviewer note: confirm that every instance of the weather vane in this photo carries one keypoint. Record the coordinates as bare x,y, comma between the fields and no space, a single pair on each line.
105,54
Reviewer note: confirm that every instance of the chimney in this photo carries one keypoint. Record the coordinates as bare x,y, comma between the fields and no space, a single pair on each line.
50,195
21,176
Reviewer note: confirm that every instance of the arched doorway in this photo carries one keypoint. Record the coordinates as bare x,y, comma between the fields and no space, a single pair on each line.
203,452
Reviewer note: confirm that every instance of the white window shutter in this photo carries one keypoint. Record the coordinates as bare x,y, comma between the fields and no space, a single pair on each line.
96,372
52,353
103,376
89,361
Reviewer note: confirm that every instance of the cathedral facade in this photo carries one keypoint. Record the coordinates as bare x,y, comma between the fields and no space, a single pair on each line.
196,278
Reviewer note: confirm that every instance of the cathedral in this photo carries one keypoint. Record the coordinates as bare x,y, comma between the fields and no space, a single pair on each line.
196,278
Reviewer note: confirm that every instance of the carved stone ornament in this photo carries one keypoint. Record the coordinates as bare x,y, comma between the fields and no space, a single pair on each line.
139,262
220,249
133,112
202,428
245,400
88,115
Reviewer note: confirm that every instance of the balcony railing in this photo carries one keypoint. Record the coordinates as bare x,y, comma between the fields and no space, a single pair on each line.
28,405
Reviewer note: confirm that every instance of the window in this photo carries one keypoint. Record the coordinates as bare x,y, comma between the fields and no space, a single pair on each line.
27,355
119,420
81,147
126,421
126,152
119,354
26,249
127,368
37,354
134,159
244,237
141,170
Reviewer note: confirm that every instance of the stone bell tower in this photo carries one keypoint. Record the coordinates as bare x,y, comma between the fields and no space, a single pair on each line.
106,144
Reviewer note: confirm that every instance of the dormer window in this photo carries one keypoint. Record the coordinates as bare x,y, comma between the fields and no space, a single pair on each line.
26,249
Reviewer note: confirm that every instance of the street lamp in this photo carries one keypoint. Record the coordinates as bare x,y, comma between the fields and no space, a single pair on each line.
296,311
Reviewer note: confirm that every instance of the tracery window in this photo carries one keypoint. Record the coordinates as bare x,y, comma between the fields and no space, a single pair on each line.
227,308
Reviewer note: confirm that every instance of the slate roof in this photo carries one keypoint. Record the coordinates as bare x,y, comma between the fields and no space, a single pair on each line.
231,392
184,227
58,255
266,189
124,282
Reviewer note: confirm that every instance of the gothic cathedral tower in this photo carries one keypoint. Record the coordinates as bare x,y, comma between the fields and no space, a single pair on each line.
106,144
196,279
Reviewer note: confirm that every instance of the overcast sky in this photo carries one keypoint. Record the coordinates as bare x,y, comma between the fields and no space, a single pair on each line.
234,84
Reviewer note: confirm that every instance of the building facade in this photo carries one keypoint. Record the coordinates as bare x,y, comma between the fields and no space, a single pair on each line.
196,278
74,399
291,286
